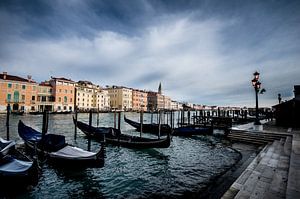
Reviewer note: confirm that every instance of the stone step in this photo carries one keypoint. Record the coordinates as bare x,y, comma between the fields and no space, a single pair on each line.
261,177
248,140
238,184
278,184
293,190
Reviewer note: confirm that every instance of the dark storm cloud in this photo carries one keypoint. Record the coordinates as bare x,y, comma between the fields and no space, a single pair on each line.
201,51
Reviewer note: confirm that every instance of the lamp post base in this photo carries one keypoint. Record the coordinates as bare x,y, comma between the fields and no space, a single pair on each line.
258,127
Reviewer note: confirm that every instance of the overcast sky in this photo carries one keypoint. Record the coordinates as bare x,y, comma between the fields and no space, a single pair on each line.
202,52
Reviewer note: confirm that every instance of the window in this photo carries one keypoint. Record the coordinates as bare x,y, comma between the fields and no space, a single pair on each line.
66,91
33,88
78,94
59,99
43,98
71,100
65,99
33,98
23,87
60,90
23,97
17,86
8,97
71,93
65,108
59,108
9,85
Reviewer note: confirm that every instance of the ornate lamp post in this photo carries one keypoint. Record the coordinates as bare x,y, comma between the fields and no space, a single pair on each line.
256,84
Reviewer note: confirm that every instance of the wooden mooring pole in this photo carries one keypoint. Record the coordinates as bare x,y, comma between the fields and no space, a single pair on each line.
76,118
115,119
159,124
90,124
141,122
7,121
45,123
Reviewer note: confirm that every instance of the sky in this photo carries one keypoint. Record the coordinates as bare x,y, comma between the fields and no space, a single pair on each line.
202,51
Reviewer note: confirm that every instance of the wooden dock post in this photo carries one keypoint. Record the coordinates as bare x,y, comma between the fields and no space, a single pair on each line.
159,124
189,119
119,120
178,118
141,122
7,121
98,116
115,118
76,118
90,124
171,119
45,123
151,117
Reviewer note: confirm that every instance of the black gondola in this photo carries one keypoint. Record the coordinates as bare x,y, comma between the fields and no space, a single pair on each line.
115,137
57,151
16,169
17,112
150,128
192,130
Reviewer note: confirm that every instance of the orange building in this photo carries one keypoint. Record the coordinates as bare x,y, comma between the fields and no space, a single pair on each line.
139,100
19,92
63,91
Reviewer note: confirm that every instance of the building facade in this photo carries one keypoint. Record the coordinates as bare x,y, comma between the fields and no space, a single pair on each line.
18,92
103,100
120,98
86,95
139,100
63,91
45,99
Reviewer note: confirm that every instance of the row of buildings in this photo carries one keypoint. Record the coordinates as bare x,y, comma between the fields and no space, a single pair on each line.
61,95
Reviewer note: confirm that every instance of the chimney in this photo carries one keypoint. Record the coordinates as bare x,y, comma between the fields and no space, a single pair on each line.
4,75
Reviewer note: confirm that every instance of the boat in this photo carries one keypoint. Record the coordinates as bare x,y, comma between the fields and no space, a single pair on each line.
57,151
115,137
192,130
61,112
17,112
150,128
36,113
16,169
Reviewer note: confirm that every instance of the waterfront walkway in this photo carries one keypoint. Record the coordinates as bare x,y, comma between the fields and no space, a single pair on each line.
275,172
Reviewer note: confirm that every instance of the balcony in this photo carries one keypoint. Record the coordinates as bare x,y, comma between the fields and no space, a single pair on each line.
15,101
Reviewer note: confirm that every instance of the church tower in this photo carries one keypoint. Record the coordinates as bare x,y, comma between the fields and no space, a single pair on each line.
159,88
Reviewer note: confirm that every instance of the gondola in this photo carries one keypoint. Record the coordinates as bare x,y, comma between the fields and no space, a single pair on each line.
150,128
17,112
192,130
16,169
57,151
115,137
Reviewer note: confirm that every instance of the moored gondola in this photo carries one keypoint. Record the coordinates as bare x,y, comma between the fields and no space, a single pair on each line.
192,130
17,171
57,151
150,128
115,137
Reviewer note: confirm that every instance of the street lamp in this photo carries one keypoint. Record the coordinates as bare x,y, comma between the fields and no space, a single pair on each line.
256,85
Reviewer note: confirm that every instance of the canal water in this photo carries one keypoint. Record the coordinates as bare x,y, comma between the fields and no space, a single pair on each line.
181,170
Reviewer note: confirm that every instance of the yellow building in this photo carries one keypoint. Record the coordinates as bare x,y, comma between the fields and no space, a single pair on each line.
19,92
120,97
103,100
86,95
